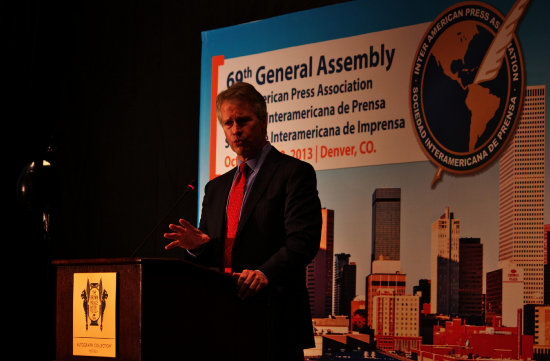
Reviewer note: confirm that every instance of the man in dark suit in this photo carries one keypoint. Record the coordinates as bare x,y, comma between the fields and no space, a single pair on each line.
268,237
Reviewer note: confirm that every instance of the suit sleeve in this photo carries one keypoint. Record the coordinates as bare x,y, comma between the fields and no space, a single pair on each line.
302,227
203,222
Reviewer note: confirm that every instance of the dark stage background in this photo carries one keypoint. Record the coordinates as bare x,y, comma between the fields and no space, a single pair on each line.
108,93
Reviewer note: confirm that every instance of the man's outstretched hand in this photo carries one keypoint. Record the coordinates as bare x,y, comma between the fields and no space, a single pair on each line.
185,235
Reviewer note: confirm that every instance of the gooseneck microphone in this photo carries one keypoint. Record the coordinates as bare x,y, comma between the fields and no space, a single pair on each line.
190,187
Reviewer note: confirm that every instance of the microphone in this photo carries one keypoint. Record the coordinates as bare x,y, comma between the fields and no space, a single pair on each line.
190,187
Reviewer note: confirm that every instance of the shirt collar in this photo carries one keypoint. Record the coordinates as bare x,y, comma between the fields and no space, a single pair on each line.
256,161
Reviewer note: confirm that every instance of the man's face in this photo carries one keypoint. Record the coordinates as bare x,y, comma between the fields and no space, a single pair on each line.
244,132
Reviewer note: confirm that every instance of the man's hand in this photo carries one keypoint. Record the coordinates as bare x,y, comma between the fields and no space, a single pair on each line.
185,235
249,283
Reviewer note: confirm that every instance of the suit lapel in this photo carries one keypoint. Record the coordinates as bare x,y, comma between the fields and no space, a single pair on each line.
261,183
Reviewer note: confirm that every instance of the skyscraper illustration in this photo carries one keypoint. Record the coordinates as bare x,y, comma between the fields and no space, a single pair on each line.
521,196
386,273
386,220
424,288
344,284
546,265
394,317
504,295
378,284
320,270
444,264
470,280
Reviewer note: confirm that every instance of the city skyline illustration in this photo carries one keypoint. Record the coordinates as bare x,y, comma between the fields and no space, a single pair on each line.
477,210
474,200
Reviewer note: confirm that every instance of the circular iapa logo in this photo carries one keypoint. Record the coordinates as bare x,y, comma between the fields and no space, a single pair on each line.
467,86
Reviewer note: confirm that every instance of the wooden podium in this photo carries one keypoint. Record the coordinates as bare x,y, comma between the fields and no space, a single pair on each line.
168,310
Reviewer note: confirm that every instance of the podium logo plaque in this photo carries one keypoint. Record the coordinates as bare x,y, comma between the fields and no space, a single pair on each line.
94,310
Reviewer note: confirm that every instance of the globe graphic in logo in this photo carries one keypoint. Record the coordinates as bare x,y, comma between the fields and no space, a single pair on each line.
462,115
466,87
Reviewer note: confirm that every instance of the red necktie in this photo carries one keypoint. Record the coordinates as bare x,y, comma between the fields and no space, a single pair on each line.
233,213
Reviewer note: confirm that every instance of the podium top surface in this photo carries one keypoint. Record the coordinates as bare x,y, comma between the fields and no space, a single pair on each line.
112,261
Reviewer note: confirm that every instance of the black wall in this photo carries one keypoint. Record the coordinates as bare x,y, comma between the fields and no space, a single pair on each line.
108,93
111,88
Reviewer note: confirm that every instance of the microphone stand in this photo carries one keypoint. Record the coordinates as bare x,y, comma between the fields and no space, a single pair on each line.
190,187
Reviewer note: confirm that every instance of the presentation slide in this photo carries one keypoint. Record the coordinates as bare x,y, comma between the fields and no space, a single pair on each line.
439,103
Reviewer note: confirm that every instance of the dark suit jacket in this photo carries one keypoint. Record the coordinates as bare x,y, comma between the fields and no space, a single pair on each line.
279,233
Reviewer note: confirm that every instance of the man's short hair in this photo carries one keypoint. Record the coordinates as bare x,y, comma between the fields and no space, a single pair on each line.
246,93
